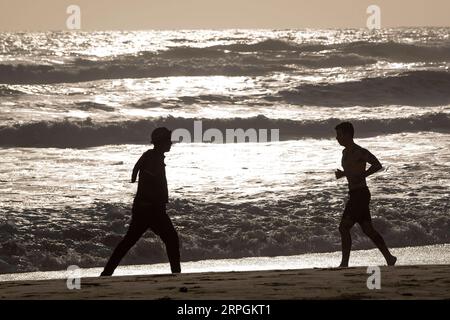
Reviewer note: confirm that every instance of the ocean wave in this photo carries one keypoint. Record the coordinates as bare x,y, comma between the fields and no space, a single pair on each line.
416,88
238,59
180,101
191,52
46,239
330,60
176,62
271,45
45,74
5,92
81,134
401,52
90,105
391,50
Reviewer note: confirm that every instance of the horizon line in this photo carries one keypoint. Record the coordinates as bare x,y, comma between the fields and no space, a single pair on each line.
221,29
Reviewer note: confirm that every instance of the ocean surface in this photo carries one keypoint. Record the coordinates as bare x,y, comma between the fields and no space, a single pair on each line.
77,110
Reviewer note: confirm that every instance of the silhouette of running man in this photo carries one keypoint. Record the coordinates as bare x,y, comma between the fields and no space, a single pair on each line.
149,206
354,160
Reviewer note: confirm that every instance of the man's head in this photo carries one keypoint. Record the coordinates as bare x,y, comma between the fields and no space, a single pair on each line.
161,139
345,133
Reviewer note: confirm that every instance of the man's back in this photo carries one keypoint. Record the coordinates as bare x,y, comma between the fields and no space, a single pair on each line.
152,185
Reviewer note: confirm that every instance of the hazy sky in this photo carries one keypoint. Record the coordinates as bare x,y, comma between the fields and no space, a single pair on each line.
218,14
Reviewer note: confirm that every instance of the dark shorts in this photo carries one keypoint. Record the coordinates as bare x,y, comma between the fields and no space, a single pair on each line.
153,217
141,210
357,206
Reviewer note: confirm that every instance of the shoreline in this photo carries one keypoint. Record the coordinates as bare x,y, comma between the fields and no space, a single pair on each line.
399,282
438,254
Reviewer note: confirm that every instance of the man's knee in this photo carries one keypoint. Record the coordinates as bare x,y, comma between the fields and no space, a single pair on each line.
368,229
170,238
130,240
344,228
175,239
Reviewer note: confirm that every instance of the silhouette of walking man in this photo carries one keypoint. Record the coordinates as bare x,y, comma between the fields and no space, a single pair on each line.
354,160
149,206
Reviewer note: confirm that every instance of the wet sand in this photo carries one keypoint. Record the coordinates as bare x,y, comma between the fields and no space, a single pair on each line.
400,282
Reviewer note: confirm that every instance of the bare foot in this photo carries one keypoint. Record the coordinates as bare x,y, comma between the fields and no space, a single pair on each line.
392,260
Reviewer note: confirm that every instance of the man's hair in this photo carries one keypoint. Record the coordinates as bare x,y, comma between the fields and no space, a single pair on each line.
346,127
160,134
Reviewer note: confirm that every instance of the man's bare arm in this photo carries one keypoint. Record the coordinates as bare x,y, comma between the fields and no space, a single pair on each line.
368,157
375,164
136,169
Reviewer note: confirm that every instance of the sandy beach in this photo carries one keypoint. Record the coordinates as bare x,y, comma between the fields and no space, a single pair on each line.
402,282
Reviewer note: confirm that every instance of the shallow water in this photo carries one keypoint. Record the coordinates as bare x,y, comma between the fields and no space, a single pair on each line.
437,254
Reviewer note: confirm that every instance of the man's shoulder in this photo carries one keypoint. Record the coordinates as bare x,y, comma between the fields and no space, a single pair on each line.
146,157
363,153
152,158
148,152
360,149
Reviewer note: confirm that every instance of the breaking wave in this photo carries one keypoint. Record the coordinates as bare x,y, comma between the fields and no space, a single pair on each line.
45,74
81,134
272,45
5,92
238,59
416,88
391,50
304,224
401,52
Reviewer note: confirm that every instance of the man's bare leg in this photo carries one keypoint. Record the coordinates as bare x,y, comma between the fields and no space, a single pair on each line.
346,239
373,234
